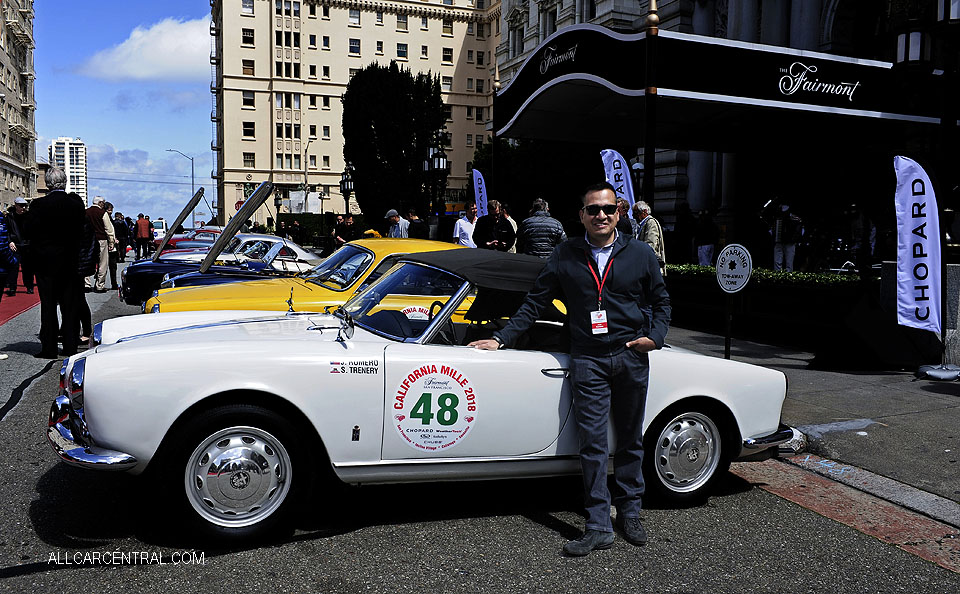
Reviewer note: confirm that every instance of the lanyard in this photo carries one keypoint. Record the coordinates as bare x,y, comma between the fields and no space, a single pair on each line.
597,280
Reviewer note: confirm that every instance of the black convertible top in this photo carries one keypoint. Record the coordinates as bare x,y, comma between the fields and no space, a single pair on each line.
502,279
487,269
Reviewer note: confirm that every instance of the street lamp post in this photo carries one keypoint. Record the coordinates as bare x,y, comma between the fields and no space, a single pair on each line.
193,215
433,166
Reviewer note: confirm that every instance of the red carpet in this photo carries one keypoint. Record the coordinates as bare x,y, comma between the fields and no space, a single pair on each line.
11,307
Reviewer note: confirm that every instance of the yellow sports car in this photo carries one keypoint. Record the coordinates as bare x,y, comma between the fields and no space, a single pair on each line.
332,282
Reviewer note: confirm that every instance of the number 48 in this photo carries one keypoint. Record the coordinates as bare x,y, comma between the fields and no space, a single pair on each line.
446,409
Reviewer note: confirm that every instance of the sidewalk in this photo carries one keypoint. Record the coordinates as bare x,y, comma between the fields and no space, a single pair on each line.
884,422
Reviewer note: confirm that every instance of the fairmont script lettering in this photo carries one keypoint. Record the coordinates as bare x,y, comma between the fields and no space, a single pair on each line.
798,78
551,57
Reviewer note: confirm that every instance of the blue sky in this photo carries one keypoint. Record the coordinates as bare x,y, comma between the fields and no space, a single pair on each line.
131,79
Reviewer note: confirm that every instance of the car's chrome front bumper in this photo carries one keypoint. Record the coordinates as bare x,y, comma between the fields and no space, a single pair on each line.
67,434
767,446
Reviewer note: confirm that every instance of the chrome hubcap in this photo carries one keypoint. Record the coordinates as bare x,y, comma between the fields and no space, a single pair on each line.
687,452
237,476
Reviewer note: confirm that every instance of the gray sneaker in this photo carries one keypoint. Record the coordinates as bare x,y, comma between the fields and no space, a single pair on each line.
633,531
591,540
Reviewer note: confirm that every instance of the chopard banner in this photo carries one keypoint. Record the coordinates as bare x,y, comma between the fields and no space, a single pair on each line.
617,170
918,248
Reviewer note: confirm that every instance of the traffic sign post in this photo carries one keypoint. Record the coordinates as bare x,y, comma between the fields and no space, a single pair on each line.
734,267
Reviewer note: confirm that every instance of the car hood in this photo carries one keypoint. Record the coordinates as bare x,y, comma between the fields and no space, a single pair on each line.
268,294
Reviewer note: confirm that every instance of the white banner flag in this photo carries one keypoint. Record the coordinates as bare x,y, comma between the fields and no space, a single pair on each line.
918,248
618,174
480,193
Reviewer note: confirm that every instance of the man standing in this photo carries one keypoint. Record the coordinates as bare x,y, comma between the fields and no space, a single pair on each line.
419,229
399,227
103,229
54,231
492,231
17,231
122,234
143,236
650,232
539,233
346,231
8,255
608,283
463,230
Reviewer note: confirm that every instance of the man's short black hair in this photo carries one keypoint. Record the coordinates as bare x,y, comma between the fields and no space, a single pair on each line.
469,203
597,187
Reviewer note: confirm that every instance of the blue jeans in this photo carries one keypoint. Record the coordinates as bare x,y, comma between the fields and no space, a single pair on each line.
605,386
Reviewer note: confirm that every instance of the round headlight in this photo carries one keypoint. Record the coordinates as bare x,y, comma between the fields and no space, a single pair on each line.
155,308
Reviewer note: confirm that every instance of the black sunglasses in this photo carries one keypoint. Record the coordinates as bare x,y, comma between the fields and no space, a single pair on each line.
594,209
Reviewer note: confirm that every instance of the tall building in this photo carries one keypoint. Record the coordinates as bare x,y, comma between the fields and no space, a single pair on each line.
70,155
18,161
280,68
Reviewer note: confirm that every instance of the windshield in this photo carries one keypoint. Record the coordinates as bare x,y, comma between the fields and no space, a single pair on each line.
341,268
255,250
232,246
404,301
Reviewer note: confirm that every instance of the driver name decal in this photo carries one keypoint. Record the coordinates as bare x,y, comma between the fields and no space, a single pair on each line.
364,366
434,407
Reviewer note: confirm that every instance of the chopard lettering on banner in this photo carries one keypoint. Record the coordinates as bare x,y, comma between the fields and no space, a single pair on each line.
552,58
797,78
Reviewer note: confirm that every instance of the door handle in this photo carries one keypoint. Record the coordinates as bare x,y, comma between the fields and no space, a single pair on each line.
556,372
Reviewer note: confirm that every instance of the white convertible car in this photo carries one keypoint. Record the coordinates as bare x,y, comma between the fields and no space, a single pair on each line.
256,406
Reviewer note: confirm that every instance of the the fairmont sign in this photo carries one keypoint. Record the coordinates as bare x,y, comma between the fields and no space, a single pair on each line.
551,57
798,78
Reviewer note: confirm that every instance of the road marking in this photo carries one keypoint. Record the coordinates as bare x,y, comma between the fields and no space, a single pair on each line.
890,523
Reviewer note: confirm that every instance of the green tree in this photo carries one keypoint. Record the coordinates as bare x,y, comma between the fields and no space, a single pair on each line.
391,118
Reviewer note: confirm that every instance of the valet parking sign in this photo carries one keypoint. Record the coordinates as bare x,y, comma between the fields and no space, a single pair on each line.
434,407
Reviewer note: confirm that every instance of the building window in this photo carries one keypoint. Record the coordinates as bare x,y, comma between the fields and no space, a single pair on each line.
246,7
469,112
326,162
423,23
379,17
288,161
480,114
479,141
469,139
246,36
353,72
313,70
313,161
354,46
326,12
313,40
249,160
469,84
313,130
326,42
279,38
296,9
296,161
296,40
313,101
549,19
401,22
279,7
480,31
448,2
326,102
279,161
447,139
448,112
248,99
448,54
380,47
326,72
249,130
402,50
355,16
479,58
446,83
423,51
448,26
296,70
312,10
515,41
247,66
470,56
469,28
296,100
479,85
326,132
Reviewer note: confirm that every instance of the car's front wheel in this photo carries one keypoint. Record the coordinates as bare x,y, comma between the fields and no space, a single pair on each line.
234,470
684,453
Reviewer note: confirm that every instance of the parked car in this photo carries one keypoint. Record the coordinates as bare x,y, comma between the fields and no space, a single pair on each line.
248,255
331,282
253,410
194,238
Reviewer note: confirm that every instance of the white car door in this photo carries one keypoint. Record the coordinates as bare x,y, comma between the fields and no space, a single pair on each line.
457,402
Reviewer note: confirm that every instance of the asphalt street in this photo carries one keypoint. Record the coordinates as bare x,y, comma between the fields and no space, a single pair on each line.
58,523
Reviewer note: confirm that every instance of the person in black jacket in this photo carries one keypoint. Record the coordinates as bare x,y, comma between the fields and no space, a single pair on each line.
539,233
493,231
8,255
618,310
122,231
55,226
17,230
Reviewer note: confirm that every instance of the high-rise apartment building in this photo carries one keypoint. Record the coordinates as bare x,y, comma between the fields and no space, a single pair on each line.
70,155
18,161
280,67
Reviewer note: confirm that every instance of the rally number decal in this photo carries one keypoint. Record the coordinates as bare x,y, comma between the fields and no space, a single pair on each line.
434,407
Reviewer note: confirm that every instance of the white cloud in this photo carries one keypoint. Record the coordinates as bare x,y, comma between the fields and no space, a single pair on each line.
169,50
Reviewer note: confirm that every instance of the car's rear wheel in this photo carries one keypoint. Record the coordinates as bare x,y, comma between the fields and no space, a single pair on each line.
684,453
233,467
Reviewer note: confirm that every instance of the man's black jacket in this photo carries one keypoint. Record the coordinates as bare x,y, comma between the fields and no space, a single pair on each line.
634,296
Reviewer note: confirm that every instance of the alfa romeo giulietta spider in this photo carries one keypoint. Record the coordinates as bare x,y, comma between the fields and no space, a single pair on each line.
257,406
